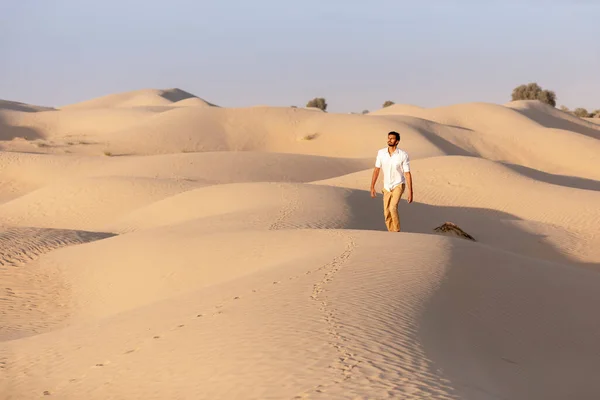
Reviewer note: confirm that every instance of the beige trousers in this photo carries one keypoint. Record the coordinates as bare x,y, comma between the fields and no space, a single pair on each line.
390,208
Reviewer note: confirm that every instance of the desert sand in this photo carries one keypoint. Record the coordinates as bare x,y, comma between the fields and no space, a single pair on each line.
154,245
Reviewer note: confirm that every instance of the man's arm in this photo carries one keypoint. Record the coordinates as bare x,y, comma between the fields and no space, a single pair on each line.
409,185
375,175
408,178
374,180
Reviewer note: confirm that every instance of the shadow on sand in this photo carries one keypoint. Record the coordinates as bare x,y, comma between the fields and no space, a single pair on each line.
510,311
9,132
574,182
489,227
553,122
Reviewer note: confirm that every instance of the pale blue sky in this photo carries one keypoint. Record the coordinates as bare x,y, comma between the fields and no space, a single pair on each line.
356,54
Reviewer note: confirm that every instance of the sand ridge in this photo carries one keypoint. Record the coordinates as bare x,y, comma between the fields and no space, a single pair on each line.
155,245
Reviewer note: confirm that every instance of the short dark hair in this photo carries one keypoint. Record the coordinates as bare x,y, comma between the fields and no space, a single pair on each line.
395,134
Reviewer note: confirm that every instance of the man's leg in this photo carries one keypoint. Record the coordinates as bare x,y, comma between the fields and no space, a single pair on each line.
395,197
387,197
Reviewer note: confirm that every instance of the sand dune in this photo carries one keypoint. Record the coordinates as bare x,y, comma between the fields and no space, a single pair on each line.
472,181
286,130
551,117
192,102
497,205
595,120
270,205
225,167
395,109
33,296
528,137
75,126
148,130
136,98
85,123
346,320
6,105
23,173
86,203
156,246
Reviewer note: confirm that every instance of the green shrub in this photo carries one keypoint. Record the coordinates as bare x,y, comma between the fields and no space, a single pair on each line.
318,102
582,112
533,91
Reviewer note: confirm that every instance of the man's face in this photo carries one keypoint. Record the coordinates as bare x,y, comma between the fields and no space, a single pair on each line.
392,140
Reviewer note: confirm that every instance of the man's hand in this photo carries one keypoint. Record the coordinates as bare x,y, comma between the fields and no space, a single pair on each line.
409,182
373,181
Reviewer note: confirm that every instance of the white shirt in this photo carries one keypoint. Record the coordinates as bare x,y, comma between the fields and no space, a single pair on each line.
393,167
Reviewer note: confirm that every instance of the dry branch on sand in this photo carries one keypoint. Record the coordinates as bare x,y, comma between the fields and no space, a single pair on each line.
453,229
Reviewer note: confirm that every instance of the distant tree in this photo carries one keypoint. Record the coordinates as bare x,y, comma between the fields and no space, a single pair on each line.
533,91
548,97
565,108
318,102
581,112
365,111
596,114
388,103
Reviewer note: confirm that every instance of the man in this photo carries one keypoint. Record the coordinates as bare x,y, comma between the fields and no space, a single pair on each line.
396,176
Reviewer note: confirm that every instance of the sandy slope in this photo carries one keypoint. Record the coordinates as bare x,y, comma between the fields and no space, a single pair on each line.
151,130
227,253
32,295
499,206
523,134
554,118
360,317
77,122
40,189
6,105
594,120
86,203
138,98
